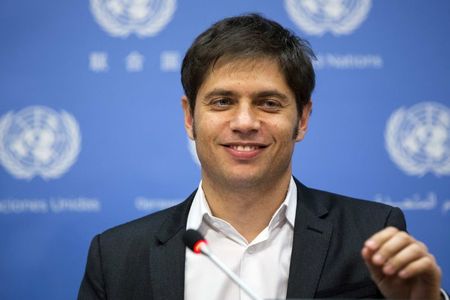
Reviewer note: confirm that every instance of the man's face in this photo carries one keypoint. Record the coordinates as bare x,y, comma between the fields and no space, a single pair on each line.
245,124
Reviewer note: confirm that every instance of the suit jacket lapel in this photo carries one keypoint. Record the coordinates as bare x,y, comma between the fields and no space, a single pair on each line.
167,255
311,241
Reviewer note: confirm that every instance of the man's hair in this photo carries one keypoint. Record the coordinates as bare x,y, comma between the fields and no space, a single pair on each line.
250,37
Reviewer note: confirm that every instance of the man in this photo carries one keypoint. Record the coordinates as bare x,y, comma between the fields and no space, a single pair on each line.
248,84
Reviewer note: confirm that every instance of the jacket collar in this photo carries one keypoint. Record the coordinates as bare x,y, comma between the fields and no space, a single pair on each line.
168,253
312,234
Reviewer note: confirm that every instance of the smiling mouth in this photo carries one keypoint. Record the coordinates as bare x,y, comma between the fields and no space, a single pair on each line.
243,151
245,147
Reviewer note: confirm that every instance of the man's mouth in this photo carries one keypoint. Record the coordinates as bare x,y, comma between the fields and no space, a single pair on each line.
244,148
244,151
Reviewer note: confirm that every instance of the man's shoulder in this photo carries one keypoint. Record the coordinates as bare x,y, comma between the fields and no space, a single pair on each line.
338,200
332,200
147,222
150,224
350,210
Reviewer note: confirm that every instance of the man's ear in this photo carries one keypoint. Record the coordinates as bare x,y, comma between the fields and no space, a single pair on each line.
188,117
303,121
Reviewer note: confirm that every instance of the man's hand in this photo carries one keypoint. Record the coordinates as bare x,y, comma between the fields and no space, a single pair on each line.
401,266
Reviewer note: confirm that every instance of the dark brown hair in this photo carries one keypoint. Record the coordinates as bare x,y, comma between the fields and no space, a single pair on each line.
250,37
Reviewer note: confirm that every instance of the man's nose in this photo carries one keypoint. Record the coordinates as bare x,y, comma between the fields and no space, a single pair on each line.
245,119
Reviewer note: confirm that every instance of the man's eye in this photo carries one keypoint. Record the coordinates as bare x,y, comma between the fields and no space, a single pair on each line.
270,104
221,102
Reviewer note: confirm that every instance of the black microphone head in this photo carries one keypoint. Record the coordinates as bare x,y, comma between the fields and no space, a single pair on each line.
191,238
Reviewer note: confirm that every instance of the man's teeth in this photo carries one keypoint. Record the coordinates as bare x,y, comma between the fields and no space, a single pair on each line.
244,148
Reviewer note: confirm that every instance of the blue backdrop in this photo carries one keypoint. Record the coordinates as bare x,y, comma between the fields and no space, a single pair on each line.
91,128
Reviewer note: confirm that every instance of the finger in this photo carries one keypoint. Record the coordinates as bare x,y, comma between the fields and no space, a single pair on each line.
366,253
424,265
375,271
396,243
405,257
379,238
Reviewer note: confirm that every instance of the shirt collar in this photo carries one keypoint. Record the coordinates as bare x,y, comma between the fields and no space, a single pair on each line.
200,208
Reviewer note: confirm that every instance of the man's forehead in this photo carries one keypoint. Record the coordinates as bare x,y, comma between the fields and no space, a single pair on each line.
239,70
249,64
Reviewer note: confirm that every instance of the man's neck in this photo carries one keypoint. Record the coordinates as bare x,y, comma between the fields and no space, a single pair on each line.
250,209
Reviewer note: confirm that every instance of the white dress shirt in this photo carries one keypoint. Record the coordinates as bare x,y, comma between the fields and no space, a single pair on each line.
263,264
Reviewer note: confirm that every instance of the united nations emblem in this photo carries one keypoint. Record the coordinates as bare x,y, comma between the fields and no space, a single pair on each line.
38,141
145,18
418,139
316,17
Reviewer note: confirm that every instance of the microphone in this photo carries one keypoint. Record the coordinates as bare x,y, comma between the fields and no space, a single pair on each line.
197,243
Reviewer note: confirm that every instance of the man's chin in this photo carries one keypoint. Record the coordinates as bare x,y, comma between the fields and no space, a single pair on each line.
243,180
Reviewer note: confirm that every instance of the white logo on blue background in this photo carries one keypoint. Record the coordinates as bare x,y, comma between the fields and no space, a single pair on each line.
38,141
418,139
317,17
145,18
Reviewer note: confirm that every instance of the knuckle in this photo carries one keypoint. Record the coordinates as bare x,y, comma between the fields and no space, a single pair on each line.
403,236
387,250
432,257
417,249
428,262
423,246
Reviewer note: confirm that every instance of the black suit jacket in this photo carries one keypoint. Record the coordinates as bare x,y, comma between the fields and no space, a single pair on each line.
145,258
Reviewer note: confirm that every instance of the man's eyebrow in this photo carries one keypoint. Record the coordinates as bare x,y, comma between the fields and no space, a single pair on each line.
271,93
219,92
260,94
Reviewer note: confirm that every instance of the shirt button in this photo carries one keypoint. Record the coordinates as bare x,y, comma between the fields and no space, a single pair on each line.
251,250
